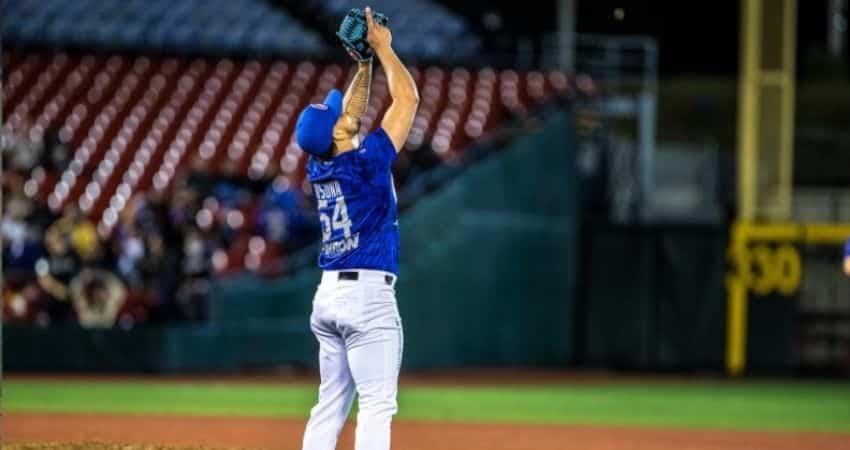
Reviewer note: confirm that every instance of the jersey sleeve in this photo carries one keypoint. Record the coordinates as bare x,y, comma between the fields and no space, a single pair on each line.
379,150
847,249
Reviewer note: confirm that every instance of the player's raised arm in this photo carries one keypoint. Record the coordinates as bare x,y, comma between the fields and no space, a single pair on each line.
405,98
353,107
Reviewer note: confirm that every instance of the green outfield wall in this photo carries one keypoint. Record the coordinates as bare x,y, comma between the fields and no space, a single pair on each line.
652,297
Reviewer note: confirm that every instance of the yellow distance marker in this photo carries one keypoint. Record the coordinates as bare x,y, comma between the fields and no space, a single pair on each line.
766,259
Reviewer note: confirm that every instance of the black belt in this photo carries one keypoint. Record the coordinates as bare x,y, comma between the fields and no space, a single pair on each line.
354,276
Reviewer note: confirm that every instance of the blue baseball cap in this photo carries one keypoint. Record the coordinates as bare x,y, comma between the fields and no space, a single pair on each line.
315,126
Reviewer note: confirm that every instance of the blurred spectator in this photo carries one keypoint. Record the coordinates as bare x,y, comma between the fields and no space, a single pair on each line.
153,217
131,252
55,272
82,233
25,147
282,218
164,250
97,297
55,156
23,302
196,270
161,272
182,207
20,239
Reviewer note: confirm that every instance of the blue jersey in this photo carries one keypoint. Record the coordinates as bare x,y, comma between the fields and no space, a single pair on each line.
357,206
847,249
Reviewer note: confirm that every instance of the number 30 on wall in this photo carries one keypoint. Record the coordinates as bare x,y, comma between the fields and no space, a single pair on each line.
764,269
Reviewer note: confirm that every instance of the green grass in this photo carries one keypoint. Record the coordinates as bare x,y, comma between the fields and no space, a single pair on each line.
739,405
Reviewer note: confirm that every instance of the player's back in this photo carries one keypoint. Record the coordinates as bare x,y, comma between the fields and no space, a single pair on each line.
357,206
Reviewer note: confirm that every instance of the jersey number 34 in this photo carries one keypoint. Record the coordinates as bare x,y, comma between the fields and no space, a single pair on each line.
338,220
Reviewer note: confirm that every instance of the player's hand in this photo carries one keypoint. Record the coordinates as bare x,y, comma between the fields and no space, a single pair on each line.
378,36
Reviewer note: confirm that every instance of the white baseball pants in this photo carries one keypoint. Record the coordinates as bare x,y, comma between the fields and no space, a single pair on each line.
360,339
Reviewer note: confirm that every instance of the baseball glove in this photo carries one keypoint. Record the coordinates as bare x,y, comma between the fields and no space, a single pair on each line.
352,33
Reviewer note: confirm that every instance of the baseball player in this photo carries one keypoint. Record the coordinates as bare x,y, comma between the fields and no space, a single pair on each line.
847,258
355,317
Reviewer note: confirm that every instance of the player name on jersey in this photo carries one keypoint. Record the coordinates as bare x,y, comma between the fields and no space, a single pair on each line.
333,214
327,191
336,248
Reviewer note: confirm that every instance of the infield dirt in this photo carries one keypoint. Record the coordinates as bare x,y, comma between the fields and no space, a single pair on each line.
23,431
